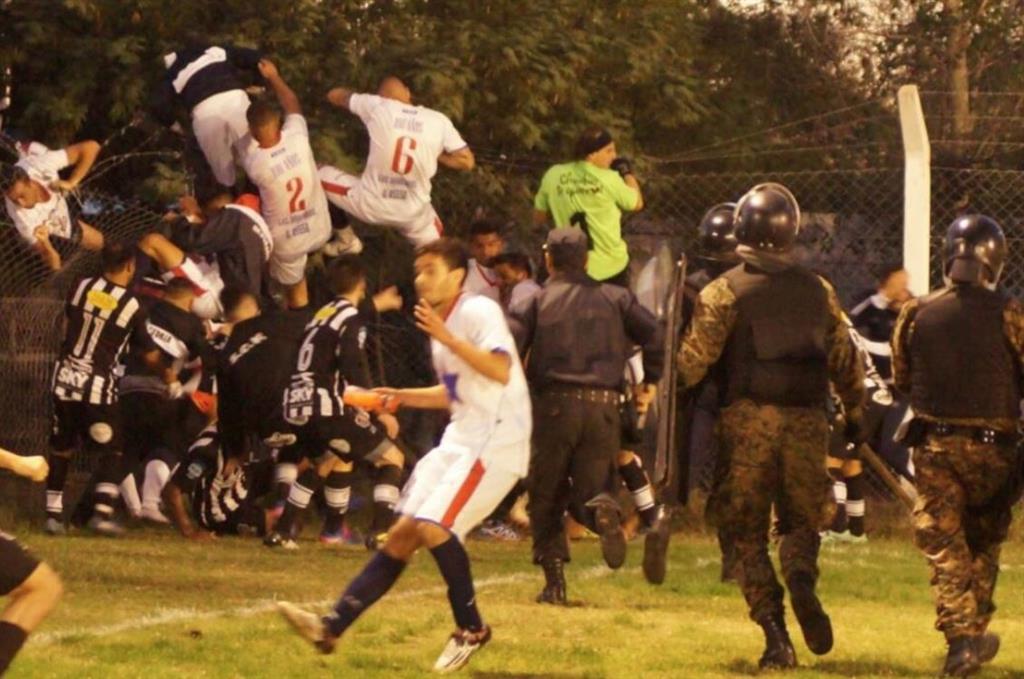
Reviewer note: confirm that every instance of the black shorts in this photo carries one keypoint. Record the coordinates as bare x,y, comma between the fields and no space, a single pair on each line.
94,427
352,436
16,564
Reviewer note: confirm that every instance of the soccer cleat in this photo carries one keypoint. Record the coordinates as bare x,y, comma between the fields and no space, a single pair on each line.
779,653
309,626
962,659
108,528
153,515
461,645
814,622
986,647
375,541
609,527
332,539
498,531
54,526
656,547
275,540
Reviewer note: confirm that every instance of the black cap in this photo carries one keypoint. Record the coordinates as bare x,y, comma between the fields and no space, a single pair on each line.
566,240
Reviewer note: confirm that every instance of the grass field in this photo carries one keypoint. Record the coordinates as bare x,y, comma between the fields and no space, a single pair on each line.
153,605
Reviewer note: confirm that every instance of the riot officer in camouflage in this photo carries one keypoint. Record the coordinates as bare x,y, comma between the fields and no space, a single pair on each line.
959,353
775,332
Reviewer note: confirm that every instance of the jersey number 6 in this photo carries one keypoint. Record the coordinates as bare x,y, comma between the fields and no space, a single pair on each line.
402,161
294,187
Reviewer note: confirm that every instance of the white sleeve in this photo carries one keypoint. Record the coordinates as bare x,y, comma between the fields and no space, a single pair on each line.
46,164
488,329
363,105
295,123
452,140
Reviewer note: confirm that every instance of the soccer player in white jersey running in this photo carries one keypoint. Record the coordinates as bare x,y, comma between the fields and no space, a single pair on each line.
484,451
407,143
279,160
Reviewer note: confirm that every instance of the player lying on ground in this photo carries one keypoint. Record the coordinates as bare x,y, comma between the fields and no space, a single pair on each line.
406,144
34,197
32,586
483,452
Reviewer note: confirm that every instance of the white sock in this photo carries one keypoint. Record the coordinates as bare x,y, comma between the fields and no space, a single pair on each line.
130,493
157,475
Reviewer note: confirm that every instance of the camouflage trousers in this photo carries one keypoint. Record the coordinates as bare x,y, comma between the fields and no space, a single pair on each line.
775,458
961,519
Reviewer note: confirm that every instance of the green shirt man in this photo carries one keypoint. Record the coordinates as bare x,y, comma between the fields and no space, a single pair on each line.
592,193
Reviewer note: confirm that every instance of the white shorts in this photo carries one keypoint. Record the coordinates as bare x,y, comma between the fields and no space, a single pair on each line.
344,192
453,488
218,123
288,267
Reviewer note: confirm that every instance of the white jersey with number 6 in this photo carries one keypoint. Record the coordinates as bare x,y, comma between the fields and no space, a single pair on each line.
394,189
291,198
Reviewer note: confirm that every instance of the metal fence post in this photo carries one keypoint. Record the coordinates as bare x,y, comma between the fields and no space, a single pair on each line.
917,189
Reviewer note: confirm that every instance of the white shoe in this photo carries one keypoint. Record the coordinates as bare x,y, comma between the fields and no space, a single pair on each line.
461,645
105,527
309,626
154,515
345,242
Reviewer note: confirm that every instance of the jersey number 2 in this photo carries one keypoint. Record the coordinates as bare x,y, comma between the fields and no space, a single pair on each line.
402,161
294,187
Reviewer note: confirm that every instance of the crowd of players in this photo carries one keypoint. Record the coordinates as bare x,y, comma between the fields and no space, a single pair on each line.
220,389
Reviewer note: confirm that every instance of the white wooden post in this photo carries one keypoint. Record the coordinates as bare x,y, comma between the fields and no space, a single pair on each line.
917,190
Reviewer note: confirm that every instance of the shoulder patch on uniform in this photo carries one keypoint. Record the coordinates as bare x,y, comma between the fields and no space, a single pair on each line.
323,313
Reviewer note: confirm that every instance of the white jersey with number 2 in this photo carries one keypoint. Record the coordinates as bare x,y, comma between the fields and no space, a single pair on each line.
291,197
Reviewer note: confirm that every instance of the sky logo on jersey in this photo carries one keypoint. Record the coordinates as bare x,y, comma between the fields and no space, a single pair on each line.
101,300
449,380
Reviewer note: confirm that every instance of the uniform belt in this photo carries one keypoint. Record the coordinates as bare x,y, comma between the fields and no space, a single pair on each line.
588,394
979,434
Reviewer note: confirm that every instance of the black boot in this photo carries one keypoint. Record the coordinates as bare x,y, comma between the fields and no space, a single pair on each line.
962,658
778,653
986,646
554,583
608,523
656,547
814,623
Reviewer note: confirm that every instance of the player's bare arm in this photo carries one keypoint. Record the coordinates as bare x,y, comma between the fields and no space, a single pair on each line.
633,183
82,155
494,365
285,95
32,467
339,97
45,248
424,398
463,160
175,501
540,218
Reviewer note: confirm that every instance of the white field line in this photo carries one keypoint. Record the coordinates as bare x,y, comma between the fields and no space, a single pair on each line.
167,616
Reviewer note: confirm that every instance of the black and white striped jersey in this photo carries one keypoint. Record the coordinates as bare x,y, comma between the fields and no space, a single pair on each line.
216,499
102,318
329,356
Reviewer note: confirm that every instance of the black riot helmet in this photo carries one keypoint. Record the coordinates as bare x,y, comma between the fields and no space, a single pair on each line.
767,218
974,251
716,235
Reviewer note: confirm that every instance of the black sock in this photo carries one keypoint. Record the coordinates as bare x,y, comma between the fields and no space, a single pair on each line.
371,584
109,475
55,481
385,497
299,496
639,485
337,491
12,638
855,504
453,562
